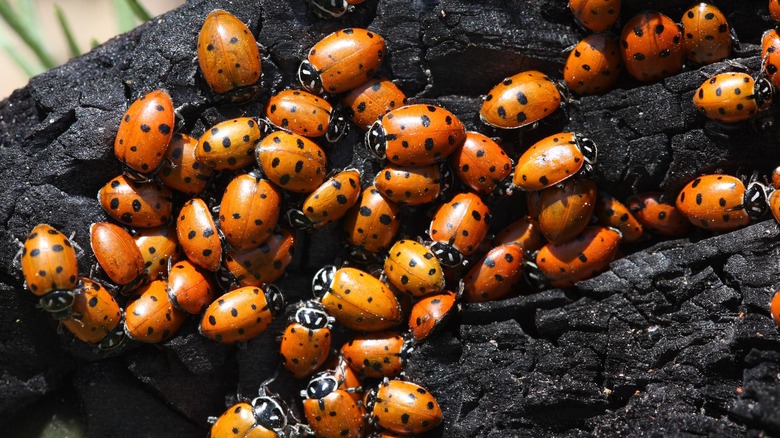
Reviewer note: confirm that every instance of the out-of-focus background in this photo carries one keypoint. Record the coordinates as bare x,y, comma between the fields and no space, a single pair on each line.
90,21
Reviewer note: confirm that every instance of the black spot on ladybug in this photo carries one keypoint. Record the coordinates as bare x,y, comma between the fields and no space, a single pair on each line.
699,199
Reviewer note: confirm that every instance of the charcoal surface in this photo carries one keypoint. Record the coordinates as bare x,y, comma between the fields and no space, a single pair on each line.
675,339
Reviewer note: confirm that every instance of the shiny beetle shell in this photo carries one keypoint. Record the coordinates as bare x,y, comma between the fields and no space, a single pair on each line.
520,100
249,211
305,114
330,201
594,65
706,34
613,213
524,231
229,57
409,185
189,287
732,97
552,160
774,204
229,145
247,421
461,223
721,202
651,47
152,318
241,314
181,170
49,262
770,54
564,210
596,15
116,252
95,315
292,162
158,246
430,313
372,223
306,341
136,205
376,355
774,308
579,259
144,133
657,216
403,407
412,268
480,163
332,412
198,236
264,264
494,276
373,99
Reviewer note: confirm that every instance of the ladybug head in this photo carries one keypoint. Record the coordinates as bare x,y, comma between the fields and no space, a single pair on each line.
588,149
330,8
310,78
376,141
312,318
58,303
756,200
370,400
269,413
337,127
763,91
275,299
114,339
320,284
447,254
360,255
321,385
297,219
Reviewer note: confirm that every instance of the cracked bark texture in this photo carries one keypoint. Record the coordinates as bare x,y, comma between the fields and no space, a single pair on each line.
675,339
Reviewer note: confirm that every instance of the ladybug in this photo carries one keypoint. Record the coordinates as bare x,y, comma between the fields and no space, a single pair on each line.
263,417
554,159
595,15
181,169
371,224
721,202
413,268
330,8
152,318
774,204
198,236
50,269
524,231
733,97
341,371
377,355
95,318
371,100
189,287
158,246
356,299
332,412
774,308
306,340
342,61
136,205
230,145
116,252
264,264
241,314
430,313
292,162
774,9
564,264
144,133
520,100
594,65
305,114
613,213
415,135
403,407
229,57
495,276
776,177
329,202
564,210
249,211
412,185
707,34
458,228
657,216
481,164
652,47
770,53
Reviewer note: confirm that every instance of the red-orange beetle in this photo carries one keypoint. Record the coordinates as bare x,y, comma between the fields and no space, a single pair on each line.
554,159
373,99
241,314
589,253
564,210
520,100
198,236
144,134
249,211
305,114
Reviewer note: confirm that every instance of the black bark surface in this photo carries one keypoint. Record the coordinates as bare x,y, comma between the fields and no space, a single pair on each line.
675,339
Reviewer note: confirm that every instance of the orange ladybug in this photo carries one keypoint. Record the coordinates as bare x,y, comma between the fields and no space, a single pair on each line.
158,246
229,57
50,269
458,228
520,100
594,65
241,314
189,287
292,162
329,202
371,225
342,61
198,236
564,264
657,216
564,210
554,159
524,231
770,54
651,47
263,417
733,97
116,252
96,318
430,313
495,275
481,164
403,407
181,170
230,145
595,15
151,317
306,341
356,299
264,264
774,308
411,185
413,268
371,100
774,9
377,355
707,34
721,202
415,135
136,205
774,204
332,412
144,134
249,211
613,213
305,114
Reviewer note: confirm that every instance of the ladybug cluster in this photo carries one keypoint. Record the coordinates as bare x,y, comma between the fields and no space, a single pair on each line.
174,250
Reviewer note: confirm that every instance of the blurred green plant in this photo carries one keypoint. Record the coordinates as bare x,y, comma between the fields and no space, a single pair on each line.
22,17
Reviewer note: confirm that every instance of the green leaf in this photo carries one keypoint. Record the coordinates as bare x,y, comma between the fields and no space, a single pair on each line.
140,12
125,17
28,33
73,47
